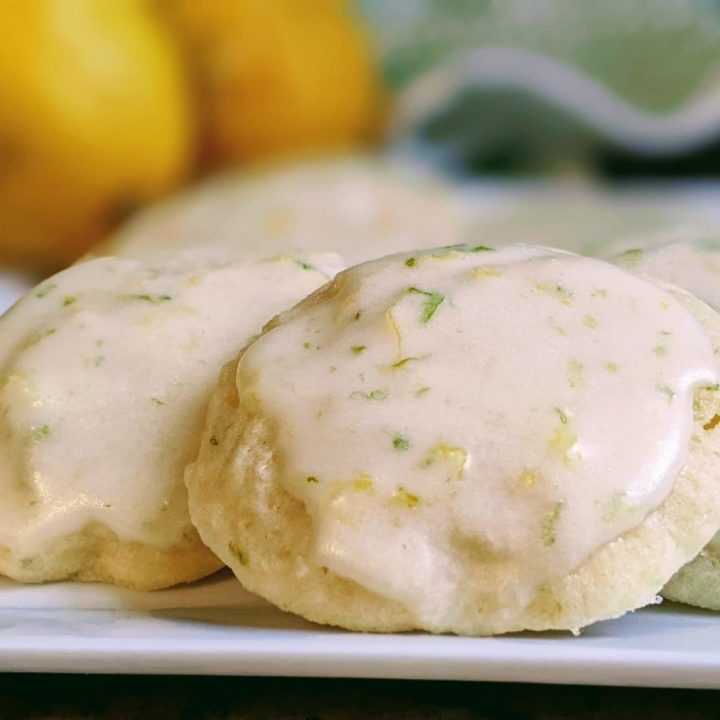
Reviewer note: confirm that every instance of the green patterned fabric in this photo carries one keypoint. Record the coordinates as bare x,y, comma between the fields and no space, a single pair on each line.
651,58
653,53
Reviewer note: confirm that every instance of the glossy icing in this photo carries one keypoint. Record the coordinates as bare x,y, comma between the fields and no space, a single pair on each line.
519,407
105,373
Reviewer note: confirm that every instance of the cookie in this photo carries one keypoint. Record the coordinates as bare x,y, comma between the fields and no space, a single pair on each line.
359,207
466,440
105,374
693,264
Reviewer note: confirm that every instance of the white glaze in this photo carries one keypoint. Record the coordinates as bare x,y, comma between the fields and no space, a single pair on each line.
105,372
529,403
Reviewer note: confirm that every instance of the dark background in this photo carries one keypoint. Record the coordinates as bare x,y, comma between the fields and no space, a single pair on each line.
72,697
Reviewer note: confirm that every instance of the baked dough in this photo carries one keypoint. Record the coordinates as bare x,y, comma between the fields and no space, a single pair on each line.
466,440
105,374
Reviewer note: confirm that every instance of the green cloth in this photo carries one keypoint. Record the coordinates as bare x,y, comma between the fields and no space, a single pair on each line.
658,56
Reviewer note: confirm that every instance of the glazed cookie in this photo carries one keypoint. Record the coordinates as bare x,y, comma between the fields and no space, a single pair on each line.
105,374
694,265
359,207
466,440
690,264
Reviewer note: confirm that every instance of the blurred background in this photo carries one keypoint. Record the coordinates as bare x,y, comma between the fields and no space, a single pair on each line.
132,127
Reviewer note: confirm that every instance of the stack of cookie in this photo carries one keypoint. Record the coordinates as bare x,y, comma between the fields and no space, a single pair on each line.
460,439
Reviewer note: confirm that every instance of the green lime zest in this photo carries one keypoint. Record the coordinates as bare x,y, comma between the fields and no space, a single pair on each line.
556,290
238,554
151,299
305,265
466,248
431,303
404,361
406,498
44,290
549,524
41,433
372,395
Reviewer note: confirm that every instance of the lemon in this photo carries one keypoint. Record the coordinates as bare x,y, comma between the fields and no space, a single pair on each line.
274,76
95,119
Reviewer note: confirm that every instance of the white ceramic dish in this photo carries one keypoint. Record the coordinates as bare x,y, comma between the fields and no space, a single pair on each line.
215,628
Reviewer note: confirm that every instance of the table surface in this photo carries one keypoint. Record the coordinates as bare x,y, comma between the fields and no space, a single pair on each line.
63,697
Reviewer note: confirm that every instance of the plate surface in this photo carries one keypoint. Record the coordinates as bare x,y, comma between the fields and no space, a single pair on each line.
216,628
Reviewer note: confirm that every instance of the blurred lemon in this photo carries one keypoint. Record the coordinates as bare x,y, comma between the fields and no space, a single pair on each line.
273,76
94,120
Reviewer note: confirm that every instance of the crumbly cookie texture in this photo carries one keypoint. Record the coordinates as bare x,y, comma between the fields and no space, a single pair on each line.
466,440
106,370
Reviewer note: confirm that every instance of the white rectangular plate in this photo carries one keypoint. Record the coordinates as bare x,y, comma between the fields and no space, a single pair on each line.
216,628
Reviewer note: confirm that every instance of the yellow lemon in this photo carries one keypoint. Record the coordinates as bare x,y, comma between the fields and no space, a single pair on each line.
95,119
274,76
